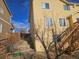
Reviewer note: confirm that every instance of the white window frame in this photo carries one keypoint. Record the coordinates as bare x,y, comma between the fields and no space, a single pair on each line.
0,28
66,7
62,22
43,5
1,10
48,22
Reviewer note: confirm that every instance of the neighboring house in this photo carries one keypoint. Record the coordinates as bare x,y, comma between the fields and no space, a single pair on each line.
5,17
46,15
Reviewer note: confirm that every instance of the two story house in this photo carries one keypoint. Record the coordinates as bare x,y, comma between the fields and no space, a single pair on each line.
48,15
5,17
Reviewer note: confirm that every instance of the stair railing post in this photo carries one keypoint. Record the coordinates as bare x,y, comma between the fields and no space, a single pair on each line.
69,18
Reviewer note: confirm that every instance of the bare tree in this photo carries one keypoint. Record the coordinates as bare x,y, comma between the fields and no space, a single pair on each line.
47,48
43,43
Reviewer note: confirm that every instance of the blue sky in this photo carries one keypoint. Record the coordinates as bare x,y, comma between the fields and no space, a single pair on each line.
20,12
76,1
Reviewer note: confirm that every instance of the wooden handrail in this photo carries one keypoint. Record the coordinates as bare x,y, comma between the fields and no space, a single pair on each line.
64,40
65,32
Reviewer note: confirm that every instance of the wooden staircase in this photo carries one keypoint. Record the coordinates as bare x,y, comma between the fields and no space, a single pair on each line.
69,40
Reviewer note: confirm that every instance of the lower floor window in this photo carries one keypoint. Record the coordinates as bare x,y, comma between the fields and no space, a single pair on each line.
62,21
78,20
0,28
48,22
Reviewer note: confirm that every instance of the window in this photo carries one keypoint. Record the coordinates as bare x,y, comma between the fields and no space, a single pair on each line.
45,5
1,10
0,28
77,20
66,7
62,22
48,22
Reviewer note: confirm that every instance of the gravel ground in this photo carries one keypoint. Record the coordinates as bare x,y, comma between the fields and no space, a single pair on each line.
76,54
29,53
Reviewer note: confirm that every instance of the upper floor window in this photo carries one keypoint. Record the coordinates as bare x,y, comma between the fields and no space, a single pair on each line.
66,7
45,5
48,22
62,22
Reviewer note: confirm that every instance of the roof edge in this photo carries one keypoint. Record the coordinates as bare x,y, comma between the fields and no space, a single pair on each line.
7,7
70,3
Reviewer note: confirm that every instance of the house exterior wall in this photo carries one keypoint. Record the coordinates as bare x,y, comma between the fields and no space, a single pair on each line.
4,17
55,11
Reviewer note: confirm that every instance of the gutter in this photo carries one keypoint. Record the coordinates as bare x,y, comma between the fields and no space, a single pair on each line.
7,7
70,3
9,14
